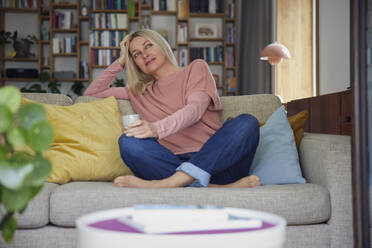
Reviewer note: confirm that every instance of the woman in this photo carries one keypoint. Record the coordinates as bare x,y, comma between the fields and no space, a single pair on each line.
179,139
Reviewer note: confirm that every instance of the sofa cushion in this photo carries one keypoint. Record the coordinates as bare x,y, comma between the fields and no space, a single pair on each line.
85,141
49,98
276,160
260,106
37,212
125,106
298,203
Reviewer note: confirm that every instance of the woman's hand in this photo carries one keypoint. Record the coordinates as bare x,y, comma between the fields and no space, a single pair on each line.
122,50
141,129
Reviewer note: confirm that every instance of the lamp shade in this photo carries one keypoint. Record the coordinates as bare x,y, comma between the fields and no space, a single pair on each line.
275,53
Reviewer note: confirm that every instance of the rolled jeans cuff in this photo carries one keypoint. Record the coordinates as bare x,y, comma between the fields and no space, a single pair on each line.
202,177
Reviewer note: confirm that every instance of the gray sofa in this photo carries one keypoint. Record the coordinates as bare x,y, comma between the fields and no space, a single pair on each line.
319,213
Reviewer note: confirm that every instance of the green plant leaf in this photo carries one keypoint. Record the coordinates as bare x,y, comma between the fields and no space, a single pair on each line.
11,97
8,226
30,114
13,174
42,169
2,153
16,200
16,136
40,136
6,118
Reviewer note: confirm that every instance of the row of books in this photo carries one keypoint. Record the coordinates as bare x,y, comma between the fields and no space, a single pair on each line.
206,6
230,33
64,45
106,38
108,20
84,69
230,8
230,58
168,5
108,4
209,54
103,56
33,4
182,33
62,19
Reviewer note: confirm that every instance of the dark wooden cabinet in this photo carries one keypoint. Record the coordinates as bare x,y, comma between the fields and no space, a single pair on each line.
329,114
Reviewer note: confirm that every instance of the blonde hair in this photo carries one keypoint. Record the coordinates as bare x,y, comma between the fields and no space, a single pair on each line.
138,80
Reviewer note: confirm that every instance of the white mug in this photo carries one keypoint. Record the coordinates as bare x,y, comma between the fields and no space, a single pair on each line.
128,119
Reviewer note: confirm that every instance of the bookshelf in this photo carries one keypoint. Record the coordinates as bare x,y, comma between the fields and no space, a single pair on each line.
109,21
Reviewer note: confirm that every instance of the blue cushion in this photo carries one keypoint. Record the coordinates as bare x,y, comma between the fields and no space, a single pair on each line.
276,159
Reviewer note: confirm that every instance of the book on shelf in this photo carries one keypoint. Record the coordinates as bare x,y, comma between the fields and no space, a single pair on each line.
230,33
84,69
133,8
230,57
108,20
106,38
230,8
209,54
183,10
183,57
109,4
29,4
64,45
164,5
103,57
61,19
206,6
183,213
182,33
185,218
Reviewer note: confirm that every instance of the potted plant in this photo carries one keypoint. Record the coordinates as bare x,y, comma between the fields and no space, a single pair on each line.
24,135
21,45
53,85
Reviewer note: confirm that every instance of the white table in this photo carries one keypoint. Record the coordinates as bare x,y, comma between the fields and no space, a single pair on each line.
102,229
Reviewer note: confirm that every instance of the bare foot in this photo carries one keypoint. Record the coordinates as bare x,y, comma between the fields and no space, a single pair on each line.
245,182
131,181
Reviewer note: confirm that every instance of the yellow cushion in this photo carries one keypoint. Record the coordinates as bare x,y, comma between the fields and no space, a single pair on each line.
298,125
85,145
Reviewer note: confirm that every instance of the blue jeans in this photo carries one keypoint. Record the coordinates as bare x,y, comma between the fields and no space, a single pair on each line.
224,158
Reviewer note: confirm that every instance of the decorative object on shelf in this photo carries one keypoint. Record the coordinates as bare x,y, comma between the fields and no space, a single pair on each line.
205,30
12,54
44,77
275,53
24,135
84,10
21,45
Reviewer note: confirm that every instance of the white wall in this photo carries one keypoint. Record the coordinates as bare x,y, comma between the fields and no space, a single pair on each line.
334,46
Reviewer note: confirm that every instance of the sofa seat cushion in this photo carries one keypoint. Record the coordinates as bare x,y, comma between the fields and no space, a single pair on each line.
298,203
37,212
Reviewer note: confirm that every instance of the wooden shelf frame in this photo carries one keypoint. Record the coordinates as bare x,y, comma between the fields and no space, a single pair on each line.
143,8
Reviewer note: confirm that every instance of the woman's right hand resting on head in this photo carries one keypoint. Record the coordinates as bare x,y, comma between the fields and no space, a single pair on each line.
122,51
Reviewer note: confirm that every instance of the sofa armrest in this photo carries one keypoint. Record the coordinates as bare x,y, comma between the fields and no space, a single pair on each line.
326,160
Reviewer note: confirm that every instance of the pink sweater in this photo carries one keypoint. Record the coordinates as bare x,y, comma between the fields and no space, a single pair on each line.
184,107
